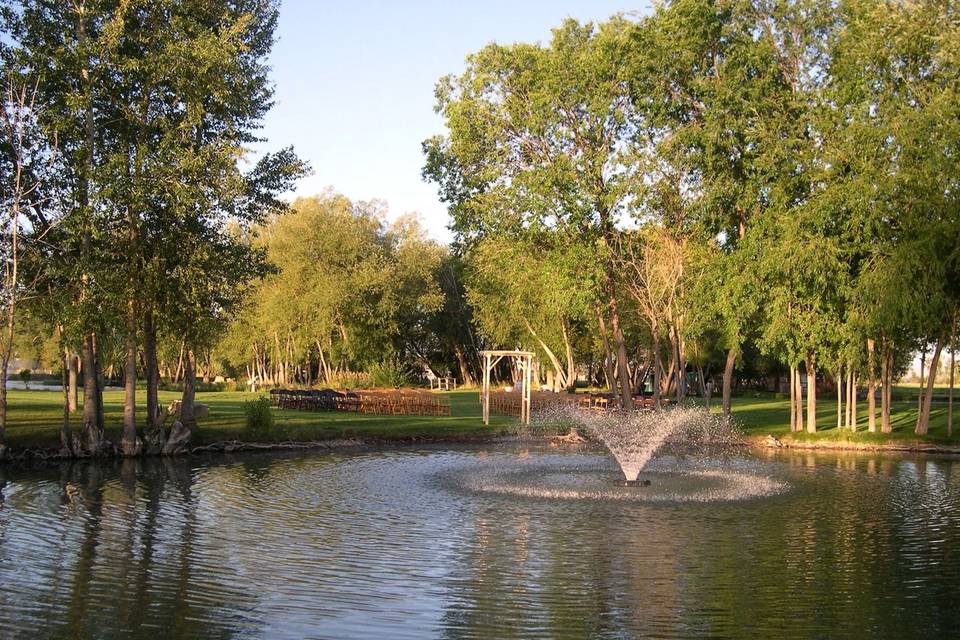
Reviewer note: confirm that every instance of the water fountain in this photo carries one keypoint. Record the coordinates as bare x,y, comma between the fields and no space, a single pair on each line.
681,454
633,437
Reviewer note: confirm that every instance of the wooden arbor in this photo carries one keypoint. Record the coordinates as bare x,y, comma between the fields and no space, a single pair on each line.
524,363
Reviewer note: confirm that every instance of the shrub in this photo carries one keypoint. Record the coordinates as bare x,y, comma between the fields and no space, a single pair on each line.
348,380
25,376
259,416
390,373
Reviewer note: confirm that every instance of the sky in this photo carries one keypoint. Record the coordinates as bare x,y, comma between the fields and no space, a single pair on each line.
354,85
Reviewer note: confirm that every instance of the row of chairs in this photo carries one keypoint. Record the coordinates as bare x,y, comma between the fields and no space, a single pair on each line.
374,401
405,402
508,402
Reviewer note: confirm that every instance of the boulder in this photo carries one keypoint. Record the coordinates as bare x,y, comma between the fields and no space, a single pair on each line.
772,441
200,410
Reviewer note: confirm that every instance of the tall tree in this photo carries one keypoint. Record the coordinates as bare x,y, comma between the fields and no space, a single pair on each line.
539,138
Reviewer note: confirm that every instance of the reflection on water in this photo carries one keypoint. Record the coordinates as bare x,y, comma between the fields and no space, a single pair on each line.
386,545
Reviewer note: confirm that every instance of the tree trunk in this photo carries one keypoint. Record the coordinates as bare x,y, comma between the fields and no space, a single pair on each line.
322,369
65,424
886,397
848,413
73,392
793,399
811,395
669,376
953,368
923,361
179,372
853,402
154,428
571,373
92,411
657,372
679,369
465,374
189,385
91,434
554,361
129,442
206,367
623,364
837,380
799,404
98,371
871,389
607,354
728,380
923,420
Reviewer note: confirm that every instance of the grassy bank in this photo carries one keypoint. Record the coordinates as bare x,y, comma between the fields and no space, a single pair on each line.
763,414
35,417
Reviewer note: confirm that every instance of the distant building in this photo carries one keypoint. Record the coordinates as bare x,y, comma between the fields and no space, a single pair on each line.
17,365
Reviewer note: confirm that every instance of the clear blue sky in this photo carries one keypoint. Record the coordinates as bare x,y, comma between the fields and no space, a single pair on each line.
354,84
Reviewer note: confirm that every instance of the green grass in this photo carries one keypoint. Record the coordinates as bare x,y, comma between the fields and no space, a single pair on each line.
35,416
761,414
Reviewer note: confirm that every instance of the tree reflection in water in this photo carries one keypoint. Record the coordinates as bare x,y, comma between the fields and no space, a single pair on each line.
387,544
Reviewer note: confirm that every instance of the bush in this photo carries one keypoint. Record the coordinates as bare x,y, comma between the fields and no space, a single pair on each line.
25,377
391,374
259,416
348,380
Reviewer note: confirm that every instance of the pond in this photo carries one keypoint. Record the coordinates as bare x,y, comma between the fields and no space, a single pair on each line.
479,542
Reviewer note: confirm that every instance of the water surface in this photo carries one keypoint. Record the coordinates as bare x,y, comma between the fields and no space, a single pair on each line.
417,544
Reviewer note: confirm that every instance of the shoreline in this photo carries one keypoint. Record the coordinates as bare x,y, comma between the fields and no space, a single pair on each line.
227,447
896,446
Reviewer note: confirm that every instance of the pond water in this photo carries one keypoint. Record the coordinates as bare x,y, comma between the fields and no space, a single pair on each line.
481,542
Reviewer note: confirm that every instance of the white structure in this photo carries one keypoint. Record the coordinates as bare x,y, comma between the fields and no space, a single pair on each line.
524,361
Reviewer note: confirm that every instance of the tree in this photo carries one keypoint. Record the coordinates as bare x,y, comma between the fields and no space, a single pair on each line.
346,289
722,90
25,158
532,293
153,104
539,139
896,85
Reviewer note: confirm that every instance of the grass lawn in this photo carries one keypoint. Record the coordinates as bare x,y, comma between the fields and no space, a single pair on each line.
761,414
34,420
35,417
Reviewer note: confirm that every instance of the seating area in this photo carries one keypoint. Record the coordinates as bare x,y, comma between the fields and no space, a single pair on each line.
508,402
405,402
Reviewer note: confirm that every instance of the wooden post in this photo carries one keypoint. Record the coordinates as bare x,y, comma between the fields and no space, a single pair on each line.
486,388
527,381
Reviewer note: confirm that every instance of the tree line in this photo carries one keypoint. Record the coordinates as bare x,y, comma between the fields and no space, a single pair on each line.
719,178
727,188
129,189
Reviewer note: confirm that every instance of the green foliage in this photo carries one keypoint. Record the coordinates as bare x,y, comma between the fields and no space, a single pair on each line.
390,374
348,288
259,417
24,375
349,380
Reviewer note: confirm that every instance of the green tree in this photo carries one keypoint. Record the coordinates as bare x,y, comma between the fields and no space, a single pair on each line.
540,138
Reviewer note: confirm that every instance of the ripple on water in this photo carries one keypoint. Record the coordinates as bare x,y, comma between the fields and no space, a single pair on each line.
438,543
704,481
